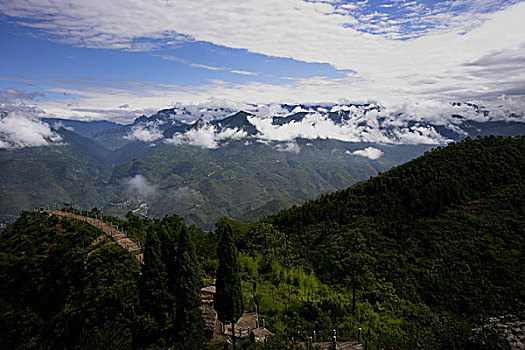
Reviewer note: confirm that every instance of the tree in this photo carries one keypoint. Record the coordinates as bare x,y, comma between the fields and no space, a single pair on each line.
95,211
353,262
153,290
229,301
189,324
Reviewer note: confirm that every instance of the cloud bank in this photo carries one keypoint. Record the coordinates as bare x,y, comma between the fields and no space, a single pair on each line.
369,152
19,130
436,49
138,185
418,122
206,136
183,193
291,147
144,133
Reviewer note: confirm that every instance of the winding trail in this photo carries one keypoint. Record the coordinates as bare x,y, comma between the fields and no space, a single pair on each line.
118,236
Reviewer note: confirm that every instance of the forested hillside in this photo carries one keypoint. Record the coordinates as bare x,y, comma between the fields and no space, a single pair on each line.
66,285
206,163
30,177
417,257
446,229
204,185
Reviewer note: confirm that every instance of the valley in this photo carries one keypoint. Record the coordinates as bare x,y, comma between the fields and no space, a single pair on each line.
218,163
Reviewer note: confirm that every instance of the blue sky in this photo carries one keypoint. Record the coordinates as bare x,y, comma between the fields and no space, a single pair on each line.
119,59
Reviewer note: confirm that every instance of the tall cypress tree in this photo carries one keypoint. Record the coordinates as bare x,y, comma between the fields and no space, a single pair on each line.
189,324
229,302
167,248
153,290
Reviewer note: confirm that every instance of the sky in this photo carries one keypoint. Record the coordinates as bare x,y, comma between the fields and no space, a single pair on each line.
118,59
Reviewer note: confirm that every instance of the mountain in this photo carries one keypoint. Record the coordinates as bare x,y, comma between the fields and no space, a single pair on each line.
271,207
234,165
80,145
445,229
84,128
236,178
38,176
207,162
237,121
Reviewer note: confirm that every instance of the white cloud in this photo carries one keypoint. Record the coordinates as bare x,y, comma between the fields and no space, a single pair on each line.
140,186
58,125
19,129
191,64
232,134
14,94
144,133
206,136
419,135
408,122
203,137
292,147
369,152
243,72
452,35
183,193
363,126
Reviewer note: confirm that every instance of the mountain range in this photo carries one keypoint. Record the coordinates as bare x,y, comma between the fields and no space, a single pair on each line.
207,163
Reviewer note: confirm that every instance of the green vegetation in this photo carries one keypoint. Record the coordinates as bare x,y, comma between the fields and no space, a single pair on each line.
32,177
229,301
59,290
417,257
245,182
443,235
189,324
66,285
242,181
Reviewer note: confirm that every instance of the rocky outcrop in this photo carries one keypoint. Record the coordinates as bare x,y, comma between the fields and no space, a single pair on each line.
503,332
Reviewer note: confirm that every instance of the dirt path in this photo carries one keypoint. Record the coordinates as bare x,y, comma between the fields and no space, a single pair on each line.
118,236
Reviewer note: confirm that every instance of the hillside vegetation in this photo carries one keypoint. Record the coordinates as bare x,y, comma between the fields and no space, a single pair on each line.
66,285
446,229
32,177
204,185
417,257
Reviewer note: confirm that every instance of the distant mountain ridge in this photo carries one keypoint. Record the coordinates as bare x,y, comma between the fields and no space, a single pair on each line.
212,162
358,119
84,128
369,117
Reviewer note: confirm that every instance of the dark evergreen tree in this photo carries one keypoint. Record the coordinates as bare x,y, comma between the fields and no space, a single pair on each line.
189,324
169,259
153,292
228,301
355,262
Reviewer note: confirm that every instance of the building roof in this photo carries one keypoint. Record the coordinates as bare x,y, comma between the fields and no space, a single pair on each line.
209,289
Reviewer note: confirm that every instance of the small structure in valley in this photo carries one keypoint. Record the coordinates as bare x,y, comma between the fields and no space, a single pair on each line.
214,329
211,320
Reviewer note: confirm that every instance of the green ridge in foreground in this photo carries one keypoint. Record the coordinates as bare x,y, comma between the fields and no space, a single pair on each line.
446,229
